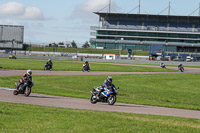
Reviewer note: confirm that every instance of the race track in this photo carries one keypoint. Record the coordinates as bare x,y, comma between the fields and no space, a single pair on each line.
76,103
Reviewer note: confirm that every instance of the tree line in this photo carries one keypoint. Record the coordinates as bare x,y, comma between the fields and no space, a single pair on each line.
73,44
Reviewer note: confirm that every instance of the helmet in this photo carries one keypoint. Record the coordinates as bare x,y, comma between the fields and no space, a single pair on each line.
49,59
86,62
109,79
29,72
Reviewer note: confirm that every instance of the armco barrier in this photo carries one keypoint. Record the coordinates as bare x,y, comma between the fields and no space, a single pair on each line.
104,60
40,57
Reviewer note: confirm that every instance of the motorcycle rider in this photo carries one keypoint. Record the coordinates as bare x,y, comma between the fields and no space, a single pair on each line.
26,76
86,65
49,63
180,65
162,65
106,85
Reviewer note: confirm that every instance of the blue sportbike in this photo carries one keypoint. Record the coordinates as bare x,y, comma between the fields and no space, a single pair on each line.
107,95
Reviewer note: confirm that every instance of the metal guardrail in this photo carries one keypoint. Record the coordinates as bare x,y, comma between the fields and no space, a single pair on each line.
125,60
39,57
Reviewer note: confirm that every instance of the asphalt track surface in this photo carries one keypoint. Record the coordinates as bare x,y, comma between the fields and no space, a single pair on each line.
76,103
6,95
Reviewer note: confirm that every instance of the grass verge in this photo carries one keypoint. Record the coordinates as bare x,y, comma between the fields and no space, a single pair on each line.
168,90
20,118
38,64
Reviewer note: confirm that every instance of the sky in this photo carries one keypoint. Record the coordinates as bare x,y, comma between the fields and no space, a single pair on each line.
49,21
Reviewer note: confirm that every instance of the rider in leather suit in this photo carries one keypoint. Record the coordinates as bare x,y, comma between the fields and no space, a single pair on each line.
106,85
26,76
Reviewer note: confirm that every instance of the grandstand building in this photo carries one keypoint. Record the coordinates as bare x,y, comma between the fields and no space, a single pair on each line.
11,37
141,31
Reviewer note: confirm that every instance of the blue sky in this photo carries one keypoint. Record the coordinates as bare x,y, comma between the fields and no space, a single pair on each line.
48,21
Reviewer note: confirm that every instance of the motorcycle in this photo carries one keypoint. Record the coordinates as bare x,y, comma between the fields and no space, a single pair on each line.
86,68
162,65
48,67
181,69
24,88
107,96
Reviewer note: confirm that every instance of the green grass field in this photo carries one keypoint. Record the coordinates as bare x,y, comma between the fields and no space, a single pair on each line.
168,90
19,118
37,64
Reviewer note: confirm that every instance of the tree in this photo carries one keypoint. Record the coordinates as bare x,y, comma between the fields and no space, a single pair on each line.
54,45
74,44
61,43
86,45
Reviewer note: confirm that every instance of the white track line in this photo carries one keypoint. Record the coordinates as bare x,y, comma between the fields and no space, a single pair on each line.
9,89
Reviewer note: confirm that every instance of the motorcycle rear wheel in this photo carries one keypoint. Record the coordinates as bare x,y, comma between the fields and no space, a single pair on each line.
93,100
111,99
15,92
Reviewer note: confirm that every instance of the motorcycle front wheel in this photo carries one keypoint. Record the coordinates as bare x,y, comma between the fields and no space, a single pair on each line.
182,70
111,99
93,99
27,91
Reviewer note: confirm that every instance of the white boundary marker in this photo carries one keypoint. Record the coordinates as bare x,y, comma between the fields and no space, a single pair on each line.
9,89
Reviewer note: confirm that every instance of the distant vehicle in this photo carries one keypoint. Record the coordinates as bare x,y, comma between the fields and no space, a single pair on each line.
178,58
12,57
189,58
166,58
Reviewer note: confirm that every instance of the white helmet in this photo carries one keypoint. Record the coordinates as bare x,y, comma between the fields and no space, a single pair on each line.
29,72
109,79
